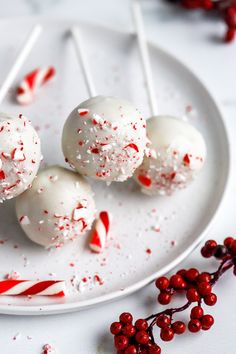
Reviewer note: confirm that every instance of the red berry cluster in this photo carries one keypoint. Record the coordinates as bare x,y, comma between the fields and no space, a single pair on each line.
227,250
226,8
133,338
197,287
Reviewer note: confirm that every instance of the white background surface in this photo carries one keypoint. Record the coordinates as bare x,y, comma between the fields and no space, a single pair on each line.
195,41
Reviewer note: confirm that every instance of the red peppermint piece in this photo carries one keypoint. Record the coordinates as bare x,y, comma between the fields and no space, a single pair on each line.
2,175
100,232
31,82
18,155
186,159
83,112
146,181
95,151
132,146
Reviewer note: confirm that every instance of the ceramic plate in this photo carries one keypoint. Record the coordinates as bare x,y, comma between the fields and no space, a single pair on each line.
149,235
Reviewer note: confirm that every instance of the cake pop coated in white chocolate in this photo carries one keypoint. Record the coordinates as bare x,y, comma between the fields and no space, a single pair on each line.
59,207
20,155
105,138
177,152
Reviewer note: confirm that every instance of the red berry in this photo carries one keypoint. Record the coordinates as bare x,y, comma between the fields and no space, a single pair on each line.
121,342
177,282
129,330
207,4
126,317
164,298
131,350
220,252
204,288
192,274
234,270
120,351
115,328
162,283
194,326
142,337
230,18
204,277
167,334
141,324
163,321
231,11
196,312
230,34
233,246
178,327
181,272
207,321
210,299
192,295
205,252
210,244
190,4
154,349
228,241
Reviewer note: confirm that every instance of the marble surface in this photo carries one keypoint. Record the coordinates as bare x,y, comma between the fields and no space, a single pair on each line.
197,42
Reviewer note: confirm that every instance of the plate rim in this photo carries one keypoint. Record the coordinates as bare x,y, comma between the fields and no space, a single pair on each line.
116,295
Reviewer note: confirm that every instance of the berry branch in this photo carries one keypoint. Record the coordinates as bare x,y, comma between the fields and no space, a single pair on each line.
225,8
138,338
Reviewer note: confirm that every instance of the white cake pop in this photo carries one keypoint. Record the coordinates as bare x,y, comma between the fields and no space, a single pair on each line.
177,153
176,150
20,155
105,138
58,208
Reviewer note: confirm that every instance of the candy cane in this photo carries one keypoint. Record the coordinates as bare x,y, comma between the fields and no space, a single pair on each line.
30,287
100,232
31,82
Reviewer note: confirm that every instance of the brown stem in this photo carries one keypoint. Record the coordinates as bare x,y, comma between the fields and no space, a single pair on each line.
225,265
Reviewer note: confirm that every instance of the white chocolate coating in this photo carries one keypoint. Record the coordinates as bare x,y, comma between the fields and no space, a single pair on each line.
177,152
59,207
20,155
105,138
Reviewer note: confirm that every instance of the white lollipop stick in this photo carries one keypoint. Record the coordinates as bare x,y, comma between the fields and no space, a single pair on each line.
143,51
20,59
83,61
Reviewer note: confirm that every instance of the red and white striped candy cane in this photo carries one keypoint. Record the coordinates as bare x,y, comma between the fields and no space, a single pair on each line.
31,82
100,232
31,287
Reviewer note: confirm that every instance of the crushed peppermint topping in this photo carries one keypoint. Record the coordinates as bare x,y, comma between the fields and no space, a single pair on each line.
53,178
24,220
13,276
18,155
83,112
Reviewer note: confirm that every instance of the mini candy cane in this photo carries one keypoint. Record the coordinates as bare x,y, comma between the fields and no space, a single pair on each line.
31,82
20,59
30,287
100,232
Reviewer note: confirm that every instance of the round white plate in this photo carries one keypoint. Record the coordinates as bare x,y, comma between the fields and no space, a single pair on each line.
149,235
